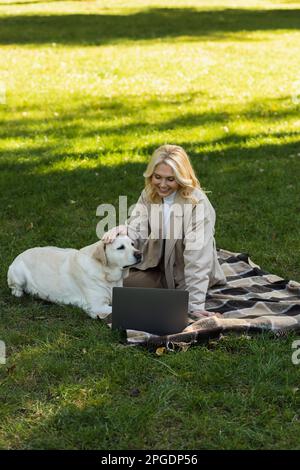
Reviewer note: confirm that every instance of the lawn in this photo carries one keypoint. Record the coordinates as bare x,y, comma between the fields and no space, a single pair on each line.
88,89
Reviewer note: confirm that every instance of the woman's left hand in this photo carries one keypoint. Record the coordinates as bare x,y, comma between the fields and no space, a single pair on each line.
204,313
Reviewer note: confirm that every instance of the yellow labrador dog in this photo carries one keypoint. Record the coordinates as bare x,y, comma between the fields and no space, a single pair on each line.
83,278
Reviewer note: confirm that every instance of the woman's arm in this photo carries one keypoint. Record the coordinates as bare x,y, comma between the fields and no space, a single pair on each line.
199,254
136,227
138,223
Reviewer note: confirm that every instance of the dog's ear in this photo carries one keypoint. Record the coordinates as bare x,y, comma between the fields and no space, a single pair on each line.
99,253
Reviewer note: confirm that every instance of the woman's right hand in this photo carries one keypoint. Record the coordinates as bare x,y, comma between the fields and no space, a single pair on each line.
112,234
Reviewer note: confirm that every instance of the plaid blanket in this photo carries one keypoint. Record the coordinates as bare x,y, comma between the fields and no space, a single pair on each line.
251,301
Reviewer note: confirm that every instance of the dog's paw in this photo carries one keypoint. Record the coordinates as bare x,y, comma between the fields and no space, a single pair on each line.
102,312
93,315
103,316
17,292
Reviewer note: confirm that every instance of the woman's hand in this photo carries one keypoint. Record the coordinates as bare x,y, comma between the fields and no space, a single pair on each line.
204,313
112,234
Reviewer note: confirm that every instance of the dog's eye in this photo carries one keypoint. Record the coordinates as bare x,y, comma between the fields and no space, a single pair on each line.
122,247
132,244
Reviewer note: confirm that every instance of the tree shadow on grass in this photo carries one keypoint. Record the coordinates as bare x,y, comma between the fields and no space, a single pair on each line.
62,204
144,25
76,369
96,120
64,398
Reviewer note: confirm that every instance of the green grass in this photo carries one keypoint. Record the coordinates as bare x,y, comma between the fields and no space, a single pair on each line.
92,88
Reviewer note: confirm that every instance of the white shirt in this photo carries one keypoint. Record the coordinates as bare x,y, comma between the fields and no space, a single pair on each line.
168,201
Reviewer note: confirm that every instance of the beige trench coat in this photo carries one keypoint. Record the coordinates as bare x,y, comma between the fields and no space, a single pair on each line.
190,257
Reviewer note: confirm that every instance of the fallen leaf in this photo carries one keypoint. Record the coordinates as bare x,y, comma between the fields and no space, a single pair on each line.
11,369
160,351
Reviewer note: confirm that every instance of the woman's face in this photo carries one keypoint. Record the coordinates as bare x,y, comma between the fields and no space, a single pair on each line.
163,179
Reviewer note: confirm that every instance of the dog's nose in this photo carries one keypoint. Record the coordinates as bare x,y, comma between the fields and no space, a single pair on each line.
138,256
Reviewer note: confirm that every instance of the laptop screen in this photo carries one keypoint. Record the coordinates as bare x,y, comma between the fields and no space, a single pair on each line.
156,311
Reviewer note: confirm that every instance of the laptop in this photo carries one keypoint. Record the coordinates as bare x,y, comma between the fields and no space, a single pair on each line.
156,311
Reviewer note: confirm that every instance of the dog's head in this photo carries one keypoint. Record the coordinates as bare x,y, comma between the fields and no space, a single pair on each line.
120,253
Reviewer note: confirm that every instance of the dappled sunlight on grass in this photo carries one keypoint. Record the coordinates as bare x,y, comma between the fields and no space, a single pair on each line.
109,133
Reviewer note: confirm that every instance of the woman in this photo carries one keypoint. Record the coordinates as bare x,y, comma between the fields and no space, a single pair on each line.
178,246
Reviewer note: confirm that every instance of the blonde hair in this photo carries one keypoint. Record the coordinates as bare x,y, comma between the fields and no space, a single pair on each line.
176,157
